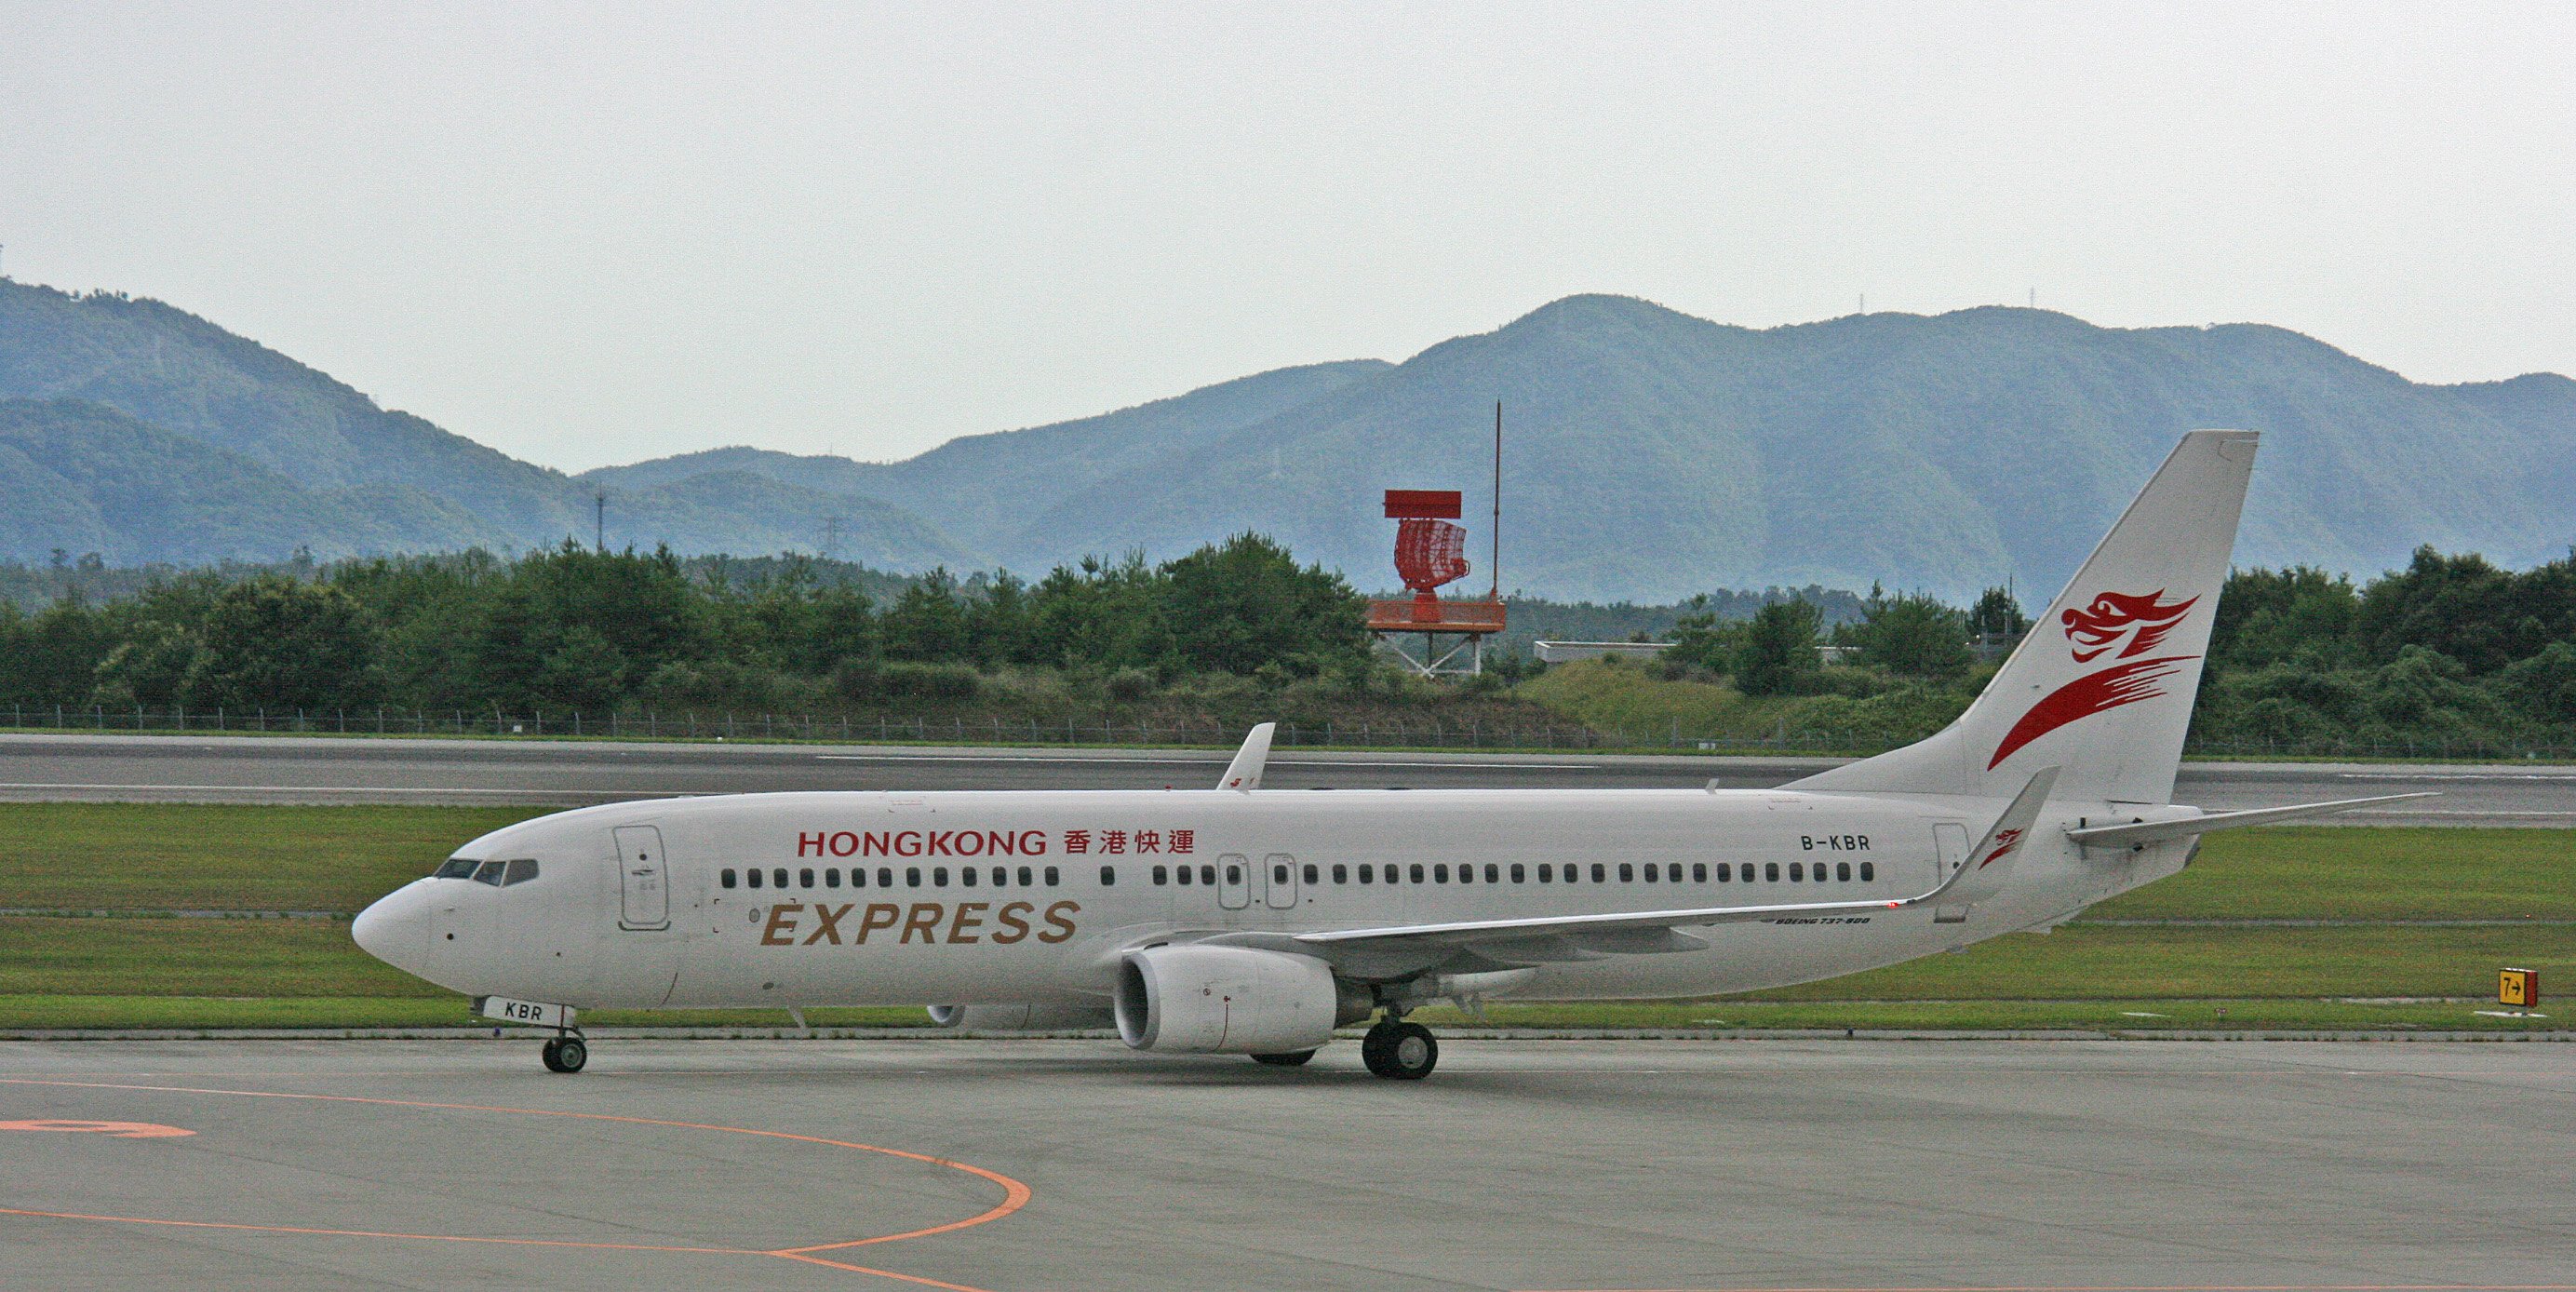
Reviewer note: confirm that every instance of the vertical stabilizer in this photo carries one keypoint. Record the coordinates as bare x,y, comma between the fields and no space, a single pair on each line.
2103,685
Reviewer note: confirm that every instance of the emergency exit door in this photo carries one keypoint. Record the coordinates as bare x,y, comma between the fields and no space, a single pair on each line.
1280,870
1233,881
643,879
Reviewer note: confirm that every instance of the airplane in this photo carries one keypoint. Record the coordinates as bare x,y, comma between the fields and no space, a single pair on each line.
1238,920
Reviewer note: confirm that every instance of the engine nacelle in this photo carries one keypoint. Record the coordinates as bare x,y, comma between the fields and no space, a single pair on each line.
1229,1000
1021,1018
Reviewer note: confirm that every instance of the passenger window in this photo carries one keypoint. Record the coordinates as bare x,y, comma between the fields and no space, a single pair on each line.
1600,874
778,877
1234,874
832,877
1627,873
1162,875
912,876
805,878
1493,873
1440,873
1051,876
1207,875
724,877
753,876
488,873
885,876
1699,872
1279,875
1651,872
1797,872
1312,875
456,868
1001,876
1868,871
939,877
1546,873
1024,877
1367,873
966,876
1186,879
520,872
1108,876
1417,872
1842,870
1520,873
1725,873
1770,871
1341,873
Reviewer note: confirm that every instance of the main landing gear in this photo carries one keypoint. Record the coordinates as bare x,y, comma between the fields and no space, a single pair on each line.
1399,1051
565,1053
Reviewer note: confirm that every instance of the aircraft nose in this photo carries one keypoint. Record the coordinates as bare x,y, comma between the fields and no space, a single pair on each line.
395,930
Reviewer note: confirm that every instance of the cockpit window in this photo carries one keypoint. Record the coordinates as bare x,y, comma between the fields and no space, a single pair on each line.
520,872
456,868
489,873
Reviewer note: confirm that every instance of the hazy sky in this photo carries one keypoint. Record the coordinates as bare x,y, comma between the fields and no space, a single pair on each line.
595,234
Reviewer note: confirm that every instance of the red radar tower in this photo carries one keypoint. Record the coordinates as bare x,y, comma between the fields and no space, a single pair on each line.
1431,552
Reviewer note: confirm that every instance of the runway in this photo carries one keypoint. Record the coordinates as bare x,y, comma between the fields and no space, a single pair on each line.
368,770
1076,1165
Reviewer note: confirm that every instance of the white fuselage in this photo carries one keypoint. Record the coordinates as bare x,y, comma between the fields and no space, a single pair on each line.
952,902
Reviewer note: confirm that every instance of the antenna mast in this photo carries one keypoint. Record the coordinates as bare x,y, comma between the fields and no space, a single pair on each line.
1495,566
599,521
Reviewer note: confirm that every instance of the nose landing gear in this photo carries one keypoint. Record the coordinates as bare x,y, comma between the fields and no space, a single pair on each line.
1399,1051
565,1053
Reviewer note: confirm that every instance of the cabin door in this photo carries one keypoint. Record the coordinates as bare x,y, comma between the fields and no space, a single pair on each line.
643,879
1950,847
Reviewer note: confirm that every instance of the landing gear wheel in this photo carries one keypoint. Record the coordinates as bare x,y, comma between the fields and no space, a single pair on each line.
1400,1051
565,1054
1292,1059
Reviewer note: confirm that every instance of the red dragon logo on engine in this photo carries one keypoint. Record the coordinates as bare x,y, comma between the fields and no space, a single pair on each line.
2134,623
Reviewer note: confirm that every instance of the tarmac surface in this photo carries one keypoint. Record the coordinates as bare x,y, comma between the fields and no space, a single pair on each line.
1076,1165
567,773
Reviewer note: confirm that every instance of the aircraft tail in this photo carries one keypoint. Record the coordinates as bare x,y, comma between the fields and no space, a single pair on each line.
2103,685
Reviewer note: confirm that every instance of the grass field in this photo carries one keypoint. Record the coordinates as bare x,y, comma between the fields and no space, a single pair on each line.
2384,889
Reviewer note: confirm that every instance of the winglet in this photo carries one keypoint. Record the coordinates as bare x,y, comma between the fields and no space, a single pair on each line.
1990,863
1244,773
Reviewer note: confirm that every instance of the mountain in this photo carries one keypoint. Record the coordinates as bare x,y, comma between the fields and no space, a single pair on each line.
261,455
981,485
1649,455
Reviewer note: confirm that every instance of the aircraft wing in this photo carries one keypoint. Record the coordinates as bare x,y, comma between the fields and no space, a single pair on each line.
1549,937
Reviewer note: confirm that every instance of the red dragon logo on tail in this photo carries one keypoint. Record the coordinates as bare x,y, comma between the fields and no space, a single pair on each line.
2115,614
2136,624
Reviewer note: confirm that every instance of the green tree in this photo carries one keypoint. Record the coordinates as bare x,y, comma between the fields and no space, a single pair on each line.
1235,606
281,643
1914,636
1779,647
148,668
928,622
1997,615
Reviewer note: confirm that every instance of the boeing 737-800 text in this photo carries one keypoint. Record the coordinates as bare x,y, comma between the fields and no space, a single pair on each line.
1243,921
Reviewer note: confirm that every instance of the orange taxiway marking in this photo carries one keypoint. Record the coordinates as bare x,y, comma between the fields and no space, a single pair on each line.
1015,1194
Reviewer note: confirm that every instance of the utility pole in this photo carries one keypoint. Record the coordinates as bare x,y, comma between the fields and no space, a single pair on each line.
599,521
1495,566
832,538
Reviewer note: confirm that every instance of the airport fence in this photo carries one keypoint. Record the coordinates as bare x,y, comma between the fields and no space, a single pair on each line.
844,728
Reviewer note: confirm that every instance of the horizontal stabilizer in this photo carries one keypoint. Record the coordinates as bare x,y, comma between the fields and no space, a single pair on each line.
2121,836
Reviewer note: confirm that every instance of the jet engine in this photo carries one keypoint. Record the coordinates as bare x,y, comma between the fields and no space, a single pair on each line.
1021,1018
1231,1000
